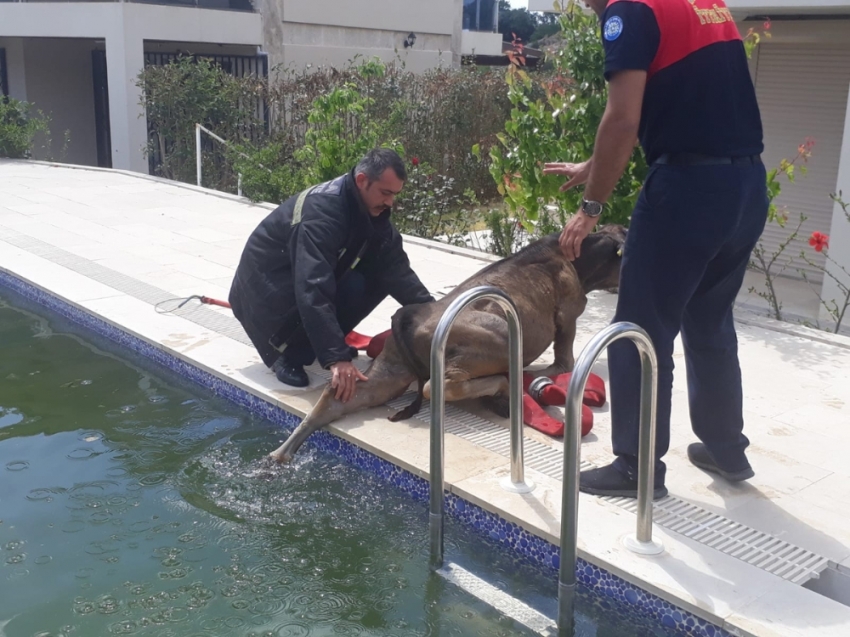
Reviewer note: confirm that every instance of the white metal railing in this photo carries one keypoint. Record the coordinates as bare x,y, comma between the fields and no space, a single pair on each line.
199,155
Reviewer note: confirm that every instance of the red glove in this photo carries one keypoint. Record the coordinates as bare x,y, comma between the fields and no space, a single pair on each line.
357,340
373,345
536,417
376,345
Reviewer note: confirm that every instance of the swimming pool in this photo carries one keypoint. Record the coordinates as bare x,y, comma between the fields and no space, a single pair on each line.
135,502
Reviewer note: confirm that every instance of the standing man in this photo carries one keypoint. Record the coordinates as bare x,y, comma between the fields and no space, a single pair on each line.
318,265
678,81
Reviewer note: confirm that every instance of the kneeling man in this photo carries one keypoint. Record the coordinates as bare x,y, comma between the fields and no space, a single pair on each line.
318,265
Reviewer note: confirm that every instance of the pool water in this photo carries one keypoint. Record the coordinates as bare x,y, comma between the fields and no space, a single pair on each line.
132,502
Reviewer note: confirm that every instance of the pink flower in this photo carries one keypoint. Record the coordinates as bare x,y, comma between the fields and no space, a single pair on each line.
819,241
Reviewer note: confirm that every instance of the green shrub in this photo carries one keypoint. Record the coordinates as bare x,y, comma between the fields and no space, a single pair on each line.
20,123
191,91
555,118
431,207
437,116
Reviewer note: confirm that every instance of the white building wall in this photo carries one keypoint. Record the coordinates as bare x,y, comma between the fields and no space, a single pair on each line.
59,83
839,243
298,33
125,26
421,16
481,43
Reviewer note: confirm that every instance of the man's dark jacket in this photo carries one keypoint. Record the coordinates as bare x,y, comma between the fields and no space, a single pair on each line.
289,269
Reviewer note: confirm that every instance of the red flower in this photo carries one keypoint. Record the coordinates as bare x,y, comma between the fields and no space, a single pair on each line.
767,25
819,241
414,161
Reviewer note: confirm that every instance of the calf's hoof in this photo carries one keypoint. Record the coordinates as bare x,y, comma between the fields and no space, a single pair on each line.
280,457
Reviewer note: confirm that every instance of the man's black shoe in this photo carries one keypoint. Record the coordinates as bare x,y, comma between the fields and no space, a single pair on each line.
293,375
700,457
611,482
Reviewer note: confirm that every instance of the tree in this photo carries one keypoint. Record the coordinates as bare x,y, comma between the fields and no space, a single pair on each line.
555,118
544,30
515,22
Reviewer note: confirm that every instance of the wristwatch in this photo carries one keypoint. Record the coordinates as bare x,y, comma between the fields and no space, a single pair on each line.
591,208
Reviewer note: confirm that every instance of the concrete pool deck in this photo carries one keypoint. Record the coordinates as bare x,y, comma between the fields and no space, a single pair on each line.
116,244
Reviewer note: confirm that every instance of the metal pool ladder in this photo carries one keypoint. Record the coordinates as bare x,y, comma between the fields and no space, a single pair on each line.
641,542
517,482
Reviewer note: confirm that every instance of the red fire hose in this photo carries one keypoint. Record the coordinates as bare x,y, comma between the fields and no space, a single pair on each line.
167,306
551,393
210,301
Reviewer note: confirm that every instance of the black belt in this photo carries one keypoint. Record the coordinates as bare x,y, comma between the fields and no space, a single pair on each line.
696,159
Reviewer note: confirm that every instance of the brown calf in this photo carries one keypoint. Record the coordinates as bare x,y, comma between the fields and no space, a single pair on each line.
549,293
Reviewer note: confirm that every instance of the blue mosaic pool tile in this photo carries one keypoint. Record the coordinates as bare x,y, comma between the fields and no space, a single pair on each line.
412,485
609,592
603,585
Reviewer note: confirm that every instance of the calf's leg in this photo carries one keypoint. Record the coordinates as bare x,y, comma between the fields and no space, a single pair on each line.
472,388
388,379
565,336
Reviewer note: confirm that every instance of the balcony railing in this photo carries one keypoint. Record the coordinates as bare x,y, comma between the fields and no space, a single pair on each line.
231,5
481,15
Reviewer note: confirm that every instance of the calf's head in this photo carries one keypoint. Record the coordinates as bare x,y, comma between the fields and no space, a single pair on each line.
598,267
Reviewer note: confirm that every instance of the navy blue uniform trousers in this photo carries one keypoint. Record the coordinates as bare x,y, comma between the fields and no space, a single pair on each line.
688,246
356,297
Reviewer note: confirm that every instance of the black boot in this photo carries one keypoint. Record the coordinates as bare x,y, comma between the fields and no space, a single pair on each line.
700,457
609,481
293,375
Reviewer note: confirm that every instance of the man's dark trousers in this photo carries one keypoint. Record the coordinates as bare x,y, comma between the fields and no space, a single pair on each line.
356,297
688,246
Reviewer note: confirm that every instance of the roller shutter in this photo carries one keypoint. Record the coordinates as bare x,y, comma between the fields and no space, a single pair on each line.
802,92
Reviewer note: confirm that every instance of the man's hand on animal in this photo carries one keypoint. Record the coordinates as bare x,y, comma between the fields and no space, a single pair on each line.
574,233
344,380
577,174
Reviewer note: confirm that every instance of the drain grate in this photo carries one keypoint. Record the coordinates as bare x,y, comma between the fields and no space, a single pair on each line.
759,549
769,553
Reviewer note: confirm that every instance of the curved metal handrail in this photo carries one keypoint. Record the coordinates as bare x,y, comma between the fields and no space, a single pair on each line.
642,541
517,483
199,156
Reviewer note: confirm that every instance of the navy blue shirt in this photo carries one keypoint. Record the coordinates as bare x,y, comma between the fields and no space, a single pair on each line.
699,95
